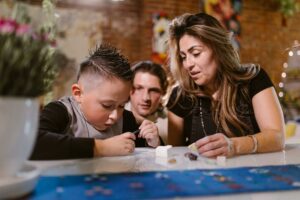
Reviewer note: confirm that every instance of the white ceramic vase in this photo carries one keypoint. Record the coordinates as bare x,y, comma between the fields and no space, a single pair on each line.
18,130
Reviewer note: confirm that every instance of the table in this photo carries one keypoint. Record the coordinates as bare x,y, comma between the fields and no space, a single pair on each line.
143,159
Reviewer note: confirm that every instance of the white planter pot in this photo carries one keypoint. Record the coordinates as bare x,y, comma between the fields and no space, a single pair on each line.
18,130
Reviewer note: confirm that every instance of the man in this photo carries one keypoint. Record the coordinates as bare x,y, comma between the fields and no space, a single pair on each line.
149,86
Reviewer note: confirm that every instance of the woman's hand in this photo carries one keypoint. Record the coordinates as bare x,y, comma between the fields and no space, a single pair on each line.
115,146
149,131
215,145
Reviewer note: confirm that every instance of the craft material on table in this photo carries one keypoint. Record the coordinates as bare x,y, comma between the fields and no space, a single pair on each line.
169,184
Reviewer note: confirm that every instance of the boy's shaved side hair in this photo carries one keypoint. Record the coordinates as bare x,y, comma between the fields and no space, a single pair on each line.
105,61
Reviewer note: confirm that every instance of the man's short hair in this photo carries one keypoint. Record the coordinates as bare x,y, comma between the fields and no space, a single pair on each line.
153,69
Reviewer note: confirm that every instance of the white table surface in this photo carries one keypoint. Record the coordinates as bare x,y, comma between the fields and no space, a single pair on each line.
143,159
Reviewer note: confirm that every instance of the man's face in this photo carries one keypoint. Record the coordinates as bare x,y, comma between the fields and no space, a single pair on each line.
103,105
146,94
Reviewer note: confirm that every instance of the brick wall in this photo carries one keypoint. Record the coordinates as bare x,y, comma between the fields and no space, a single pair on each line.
121,27
263,40
171,7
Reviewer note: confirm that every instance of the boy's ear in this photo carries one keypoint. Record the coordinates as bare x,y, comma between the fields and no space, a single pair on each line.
77,92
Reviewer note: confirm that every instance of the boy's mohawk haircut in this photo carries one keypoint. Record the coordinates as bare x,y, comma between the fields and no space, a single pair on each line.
105,50
107,61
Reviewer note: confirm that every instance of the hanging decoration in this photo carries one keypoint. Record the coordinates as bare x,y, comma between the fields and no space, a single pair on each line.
288,8
228,13
160,36
289,93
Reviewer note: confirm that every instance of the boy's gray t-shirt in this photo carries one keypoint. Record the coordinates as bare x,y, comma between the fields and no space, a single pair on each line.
79,127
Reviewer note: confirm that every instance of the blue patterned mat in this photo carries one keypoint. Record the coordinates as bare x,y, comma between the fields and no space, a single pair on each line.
169,184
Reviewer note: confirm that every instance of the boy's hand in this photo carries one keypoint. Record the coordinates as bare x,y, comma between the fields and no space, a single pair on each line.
149,131
115,146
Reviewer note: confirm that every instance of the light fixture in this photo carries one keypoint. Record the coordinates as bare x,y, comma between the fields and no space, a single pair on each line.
281,84
280,94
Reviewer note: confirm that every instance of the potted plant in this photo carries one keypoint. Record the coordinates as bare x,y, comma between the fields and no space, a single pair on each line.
27,70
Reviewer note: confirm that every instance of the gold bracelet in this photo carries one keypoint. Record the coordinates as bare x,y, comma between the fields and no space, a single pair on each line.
255,143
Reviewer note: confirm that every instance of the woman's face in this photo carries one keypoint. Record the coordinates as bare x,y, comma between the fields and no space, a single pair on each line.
198,60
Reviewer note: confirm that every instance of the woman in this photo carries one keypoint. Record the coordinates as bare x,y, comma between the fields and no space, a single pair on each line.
221,106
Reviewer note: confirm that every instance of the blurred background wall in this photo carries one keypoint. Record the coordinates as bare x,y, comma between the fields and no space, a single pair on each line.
265,34
128,25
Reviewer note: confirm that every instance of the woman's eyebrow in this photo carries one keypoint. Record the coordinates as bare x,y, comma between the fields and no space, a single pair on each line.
191,49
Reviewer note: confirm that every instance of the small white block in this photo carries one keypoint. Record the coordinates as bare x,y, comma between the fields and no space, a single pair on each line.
221,160
163,151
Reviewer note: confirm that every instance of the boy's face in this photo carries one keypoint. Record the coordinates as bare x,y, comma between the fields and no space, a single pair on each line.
146,94
103,104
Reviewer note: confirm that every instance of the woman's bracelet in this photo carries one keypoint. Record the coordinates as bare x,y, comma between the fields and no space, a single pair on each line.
230,149
255,143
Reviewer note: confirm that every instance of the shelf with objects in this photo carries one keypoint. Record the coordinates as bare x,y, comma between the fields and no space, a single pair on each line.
290,89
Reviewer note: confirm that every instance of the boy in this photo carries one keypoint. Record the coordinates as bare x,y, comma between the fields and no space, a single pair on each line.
90,122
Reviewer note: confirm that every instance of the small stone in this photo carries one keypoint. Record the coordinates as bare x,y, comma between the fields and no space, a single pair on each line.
172,161
191,156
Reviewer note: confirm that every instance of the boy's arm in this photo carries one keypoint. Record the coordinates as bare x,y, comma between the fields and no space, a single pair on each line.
53,142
